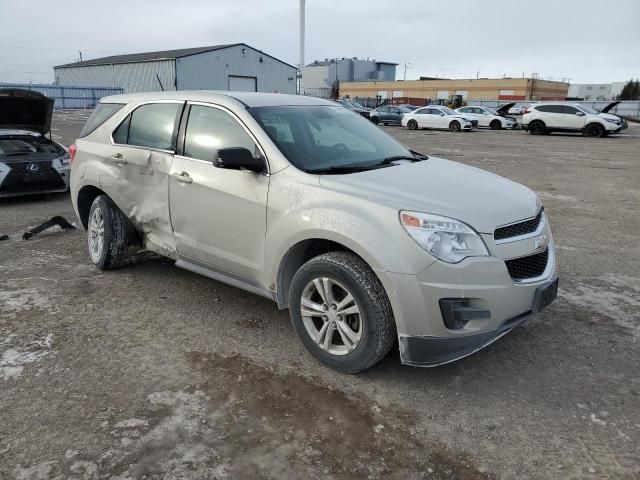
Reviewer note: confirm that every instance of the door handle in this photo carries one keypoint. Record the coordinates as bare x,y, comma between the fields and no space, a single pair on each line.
182,177
119,159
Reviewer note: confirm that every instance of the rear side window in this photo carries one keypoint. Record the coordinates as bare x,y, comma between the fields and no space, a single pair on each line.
152,126
102,113
550,108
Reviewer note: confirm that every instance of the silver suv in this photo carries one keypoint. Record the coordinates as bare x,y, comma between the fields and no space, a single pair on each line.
309,204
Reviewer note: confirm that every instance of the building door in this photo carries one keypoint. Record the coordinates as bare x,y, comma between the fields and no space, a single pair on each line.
242,84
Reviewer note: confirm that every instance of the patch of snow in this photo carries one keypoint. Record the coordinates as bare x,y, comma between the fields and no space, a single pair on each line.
40,471
13,361
132,423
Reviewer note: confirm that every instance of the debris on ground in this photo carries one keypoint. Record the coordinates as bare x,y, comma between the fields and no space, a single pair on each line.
62,222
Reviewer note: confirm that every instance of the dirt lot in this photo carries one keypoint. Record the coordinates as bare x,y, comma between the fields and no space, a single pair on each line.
155,372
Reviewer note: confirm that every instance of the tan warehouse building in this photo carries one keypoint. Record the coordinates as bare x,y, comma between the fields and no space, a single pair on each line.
471,89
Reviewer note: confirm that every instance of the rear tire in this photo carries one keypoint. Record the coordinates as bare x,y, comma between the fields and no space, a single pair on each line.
495,125
537,128
349,342
594,130
107,234
455,126
412,125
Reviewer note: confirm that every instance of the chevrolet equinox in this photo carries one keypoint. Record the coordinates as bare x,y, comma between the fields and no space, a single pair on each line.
307,203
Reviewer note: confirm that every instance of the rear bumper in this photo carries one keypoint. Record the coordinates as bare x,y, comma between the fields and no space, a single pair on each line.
428,351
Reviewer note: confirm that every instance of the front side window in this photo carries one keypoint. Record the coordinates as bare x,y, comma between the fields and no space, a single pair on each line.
152,125
569,110
210,129
323,137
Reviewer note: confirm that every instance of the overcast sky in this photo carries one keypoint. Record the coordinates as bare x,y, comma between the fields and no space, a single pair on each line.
588,41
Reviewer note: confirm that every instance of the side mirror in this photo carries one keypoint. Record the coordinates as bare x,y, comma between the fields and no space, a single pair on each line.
580,114
238,158
441,114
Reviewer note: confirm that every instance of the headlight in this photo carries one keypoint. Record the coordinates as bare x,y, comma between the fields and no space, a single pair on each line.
613,120
62,161
445,238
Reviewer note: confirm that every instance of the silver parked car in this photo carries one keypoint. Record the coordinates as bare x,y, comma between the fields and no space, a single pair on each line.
309,204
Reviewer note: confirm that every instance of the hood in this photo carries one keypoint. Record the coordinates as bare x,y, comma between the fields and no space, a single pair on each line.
504,109
609,107
478,198
25,110
609,116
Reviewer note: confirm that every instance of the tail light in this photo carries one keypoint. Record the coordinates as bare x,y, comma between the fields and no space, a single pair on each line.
527,110
72,153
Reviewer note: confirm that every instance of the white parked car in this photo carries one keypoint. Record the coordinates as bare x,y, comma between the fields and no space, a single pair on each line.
517,110
488,117
436,116
544,118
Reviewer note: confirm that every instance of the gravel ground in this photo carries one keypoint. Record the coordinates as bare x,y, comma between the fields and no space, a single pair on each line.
154,372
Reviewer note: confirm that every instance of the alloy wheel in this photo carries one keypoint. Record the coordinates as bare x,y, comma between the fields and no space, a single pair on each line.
331,316
96,235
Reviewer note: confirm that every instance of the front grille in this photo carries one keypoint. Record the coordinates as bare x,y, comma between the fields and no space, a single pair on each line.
528,267
517,229
21,180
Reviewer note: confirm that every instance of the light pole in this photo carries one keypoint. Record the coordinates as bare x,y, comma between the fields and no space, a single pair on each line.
301,45
406,66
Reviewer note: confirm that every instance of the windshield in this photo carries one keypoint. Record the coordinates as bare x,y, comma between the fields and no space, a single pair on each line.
492,111
323,137
588,109
355,105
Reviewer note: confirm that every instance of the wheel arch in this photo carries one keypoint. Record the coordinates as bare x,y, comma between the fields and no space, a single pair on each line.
301,252
86,196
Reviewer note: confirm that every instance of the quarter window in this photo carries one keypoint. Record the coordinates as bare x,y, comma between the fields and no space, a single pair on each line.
210,129
152,126
423,111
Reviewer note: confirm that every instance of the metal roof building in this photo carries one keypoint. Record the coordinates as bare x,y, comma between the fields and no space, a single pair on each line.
236,66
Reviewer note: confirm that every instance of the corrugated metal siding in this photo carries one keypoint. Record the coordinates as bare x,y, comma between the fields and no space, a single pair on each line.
131,77
68,97
211,70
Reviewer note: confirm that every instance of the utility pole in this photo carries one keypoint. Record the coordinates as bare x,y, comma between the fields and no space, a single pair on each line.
406,65
80,55
478,74
301,46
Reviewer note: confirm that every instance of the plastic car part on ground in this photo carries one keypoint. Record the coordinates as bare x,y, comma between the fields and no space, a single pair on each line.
57,220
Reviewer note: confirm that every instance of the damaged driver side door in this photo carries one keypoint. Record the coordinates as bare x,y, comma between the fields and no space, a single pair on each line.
139,161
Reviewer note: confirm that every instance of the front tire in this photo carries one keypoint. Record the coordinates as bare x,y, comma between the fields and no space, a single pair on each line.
455,126
375,120
537,128
495,125
594,130
412,125
341,312
107,234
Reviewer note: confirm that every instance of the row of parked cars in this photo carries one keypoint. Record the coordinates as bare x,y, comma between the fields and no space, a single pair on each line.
537,119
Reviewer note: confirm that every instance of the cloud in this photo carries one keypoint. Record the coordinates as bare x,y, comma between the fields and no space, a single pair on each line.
584,40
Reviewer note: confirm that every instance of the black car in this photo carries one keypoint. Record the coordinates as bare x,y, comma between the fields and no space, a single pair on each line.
389,115
29,161
355,107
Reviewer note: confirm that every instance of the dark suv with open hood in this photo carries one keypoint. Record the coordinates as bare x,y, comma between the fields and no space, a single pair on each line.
29,161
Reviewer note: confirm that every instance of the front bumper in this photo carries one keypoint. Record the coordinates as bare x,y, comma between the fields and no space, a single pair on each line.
17,179
491,295
433,351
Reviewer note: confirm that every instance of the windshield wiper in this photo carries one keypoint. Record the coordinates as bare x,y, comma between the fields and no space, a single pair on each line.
416,157
340,169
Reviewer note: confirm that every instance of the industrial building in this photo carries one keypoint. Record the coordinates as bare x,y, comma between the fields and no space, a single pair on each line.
596,91
235,66
319,76
514,89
